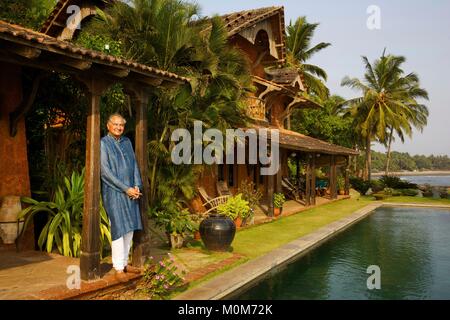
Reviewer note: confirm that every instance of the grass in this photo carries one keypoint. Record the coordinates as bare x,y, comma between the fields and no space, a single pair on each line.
260,240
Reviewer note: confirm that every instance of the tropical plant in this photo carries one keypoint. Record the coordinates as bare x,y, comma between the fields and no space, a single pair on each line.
160,278
174,222
235,207
278,200
65,218
299,51
250,193
388,102
396,183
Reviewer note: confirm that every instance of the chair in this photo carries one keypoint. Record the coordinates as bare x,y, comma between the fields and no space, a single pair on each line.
211,204
292,191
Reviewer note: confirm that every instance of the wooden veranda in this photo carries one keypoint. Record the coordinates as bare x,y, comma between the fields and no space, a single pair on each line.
24,50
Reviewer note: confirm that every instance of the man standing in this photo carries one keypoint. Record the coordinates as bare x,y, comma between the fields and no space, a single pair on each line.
121,185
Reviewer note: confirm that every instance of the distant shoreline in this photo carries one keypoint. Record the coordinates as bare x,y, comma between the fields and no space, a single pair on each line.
414,173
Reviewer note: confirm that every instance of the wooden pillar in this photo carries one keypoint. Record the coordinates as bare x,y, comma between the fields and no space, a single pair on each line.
313,179
297,173
308,181
141,239
90,241
346,177
333,178
270,192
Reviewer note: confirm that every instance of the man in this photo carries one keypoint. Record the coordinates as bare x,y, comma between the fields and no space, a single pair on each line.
121,185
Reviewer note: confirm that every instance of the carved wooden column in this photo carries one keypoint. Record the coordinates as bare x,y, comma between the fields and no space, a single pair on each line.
90,241
141,239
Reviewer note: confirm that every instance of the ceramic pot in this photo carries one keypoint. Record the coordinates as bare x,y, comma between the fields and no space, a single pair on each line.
10,227
217,232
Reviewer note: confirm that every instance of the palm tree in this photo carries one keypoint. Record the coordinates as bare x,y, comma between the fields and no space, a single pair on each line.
299,51
388,103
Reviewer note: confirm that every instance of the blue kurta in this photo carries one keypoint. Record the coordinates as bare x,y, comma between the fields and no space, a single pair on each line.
119,172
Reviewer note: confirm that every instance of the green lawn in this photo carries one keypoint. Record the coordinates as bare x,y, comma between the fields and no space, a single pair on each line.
262,239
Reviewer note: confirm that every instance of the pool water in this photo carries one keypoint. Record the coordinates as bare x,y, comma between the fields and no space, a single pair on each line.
411,246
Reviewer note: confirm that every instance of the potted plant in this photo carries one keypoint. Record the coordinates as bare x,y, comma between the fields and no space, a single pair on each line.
236,208
278,201
176,224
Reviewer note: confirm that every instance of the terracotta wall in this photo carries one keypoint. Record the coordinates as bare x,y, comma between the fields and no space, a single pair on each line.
14,177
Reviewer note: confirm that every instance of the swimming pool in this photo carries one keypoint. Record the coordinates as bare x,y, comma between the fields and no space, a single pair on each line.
411,247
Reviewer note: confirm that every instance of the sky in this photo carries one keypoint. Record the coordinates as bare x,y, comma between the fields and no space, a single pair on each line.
416,29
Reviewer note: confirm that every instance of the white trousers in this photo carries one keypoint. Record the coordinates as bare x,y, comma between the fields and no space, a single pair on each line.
120,249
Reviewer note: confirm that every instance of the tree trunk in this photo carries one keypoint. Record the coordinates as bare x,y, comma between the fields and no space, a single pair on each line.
368,158
388,157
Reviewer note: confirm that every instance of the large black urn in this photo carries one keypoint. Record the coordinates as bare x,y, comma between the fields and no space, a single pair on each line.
217,232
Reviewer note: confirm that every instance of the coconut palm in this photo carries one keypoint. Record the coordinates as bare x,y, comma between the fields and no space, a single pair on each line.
298,41
388,102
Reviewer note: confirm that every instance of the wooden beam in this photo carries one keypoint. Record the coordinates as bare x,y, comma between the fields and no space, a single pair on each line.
75,63
308,182
333,178
313,179
90,242
141,239
270,192
347,178
24,51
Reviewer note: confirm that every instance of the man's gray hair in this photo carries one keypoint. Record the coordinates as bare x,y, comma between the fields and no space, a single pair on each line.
116,115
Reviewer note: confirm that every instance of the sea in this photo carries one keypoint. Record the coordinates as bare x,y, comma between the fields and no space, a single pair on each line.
443,181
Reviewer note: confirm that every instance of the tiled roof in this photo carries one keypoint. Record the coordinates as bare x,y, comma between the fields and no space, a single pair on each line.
41,41
237,21
298,141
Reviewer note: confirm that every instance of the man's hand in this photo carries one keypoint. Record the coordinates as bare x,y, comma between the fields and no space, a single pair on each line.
134,193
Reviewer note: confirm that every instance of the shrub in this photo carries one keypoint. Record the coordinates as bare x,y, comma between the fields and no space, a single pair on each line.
409,192
376,186
235,207
359,185
388,191
160,278
396,183
175,222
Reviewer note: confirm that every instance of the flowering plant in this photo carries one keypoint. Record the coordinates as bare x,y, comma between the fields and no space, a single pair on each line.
160,277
